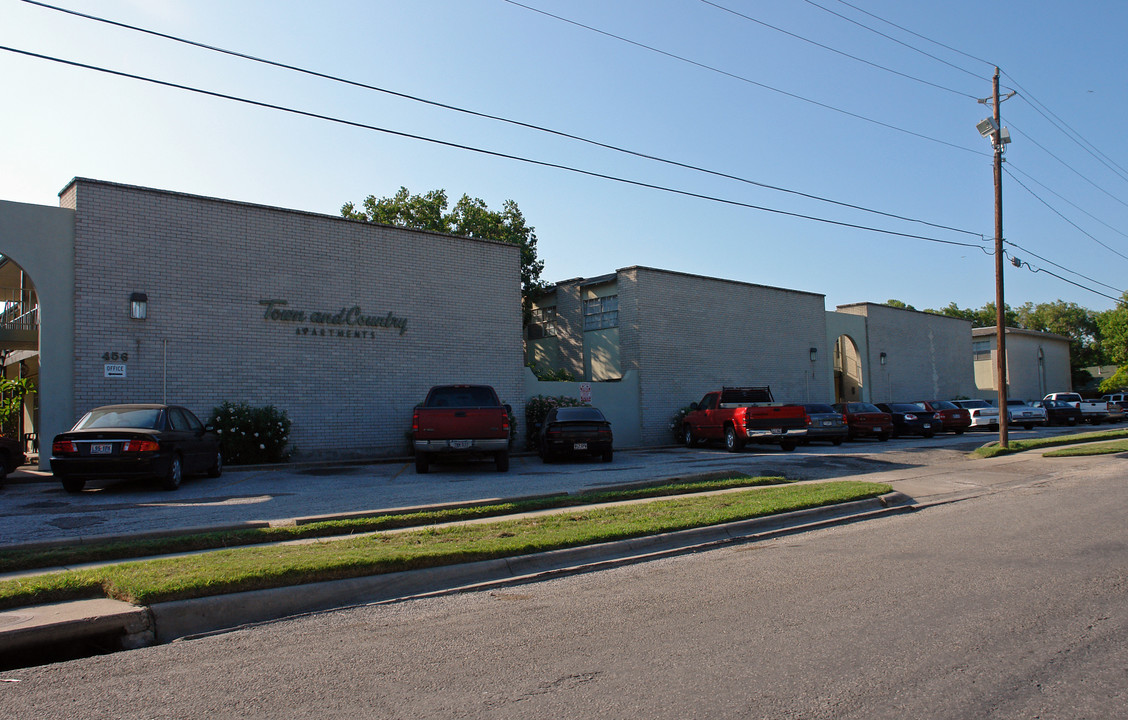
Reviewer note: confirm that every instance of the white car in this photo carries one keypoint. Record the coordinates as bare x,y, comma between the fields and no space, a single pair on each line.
1020,412
983,413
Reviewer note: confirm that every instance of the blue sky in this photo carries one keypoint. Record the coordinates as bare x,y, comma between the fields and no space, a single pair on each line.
786,94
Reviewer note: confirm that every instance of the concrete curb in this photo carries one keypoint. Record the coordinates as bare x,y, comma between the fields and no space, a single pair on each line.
64,625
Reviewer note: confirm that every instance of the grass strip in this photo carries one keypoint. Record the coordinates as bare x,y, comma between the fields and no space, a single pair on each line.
256,568
16,560
1096,449
993,450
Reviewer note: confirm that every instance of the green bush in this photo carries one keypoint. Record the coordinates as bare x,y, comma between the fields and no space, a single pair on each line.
251,435
676,422
551,374
12,393
536,410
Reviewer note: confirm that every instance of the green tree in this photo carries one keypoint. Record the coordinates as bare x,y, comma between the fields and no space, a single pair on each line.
1077,323
470,217
1113,328
899,304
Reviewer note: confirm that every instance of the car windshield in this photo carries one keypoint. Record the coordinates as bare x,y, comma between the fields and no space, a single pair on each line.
1016,402
120,418
974,404
943,405
579,413
862,408
819,408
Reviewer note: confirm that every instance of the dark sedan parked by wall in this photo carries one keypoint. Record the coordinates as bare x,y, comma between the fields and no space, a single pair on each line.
575,431
949,417
865,420
11,456
825,423
910,419
165,442
1059,412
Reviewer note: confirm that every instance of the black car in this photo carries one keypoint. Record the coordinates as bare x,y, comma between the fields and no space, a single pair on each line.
11,456
911,419
1059,412
825,423
575,431
165,442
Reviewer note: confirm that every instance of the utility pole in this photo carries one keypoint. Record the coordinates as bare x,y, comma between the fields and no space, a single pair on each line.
1000,314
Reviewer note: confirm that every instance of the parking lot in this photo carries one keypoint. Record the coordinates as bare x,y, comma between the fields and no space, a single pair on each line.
35,508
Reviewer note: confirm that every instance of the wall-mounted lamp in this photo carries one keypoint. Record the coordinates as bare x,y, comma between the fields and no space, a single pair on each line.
814,354
138,306
882,358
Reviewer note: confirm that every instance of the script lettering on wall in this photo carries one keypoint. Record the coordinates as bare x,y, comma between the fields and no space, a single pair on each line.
348,322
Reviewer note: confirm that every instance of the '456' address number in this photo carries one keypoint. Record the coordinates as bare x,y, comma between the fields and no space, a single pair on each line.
115,357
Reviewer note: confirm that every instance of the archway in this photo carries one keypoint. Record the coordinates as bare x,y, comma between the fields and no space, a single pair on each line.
38,243
848,376
19,356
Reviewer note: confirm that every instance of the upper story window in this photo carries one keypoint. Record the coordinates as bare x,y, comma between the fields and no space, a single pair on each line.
600,313
981,350
543,323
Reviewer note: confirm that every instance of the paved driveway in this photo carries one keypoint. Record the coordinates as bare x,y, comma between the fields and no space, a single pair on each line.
37,509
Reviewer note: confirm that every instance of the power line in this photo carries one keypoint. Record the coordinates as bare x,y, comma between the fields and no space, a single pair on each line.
836,51
1063,217
1035,270
474,113
1066,200
469,148
741,78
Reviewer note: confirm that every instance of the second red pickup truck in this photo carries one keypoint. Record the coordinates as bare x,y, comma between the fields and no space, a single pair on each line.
740,415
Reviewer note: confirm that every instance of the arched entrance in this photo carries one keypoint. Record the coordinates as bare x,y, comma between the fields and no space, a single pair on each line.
19,356
848,381
37,321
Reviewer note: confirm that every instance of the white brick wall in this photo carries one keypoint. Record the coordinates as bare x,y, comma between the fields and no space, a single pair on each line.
206,265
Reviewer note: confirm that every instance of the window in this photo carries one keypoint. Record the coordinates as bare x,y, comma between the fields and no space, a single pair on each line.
543,323
600,313
981,350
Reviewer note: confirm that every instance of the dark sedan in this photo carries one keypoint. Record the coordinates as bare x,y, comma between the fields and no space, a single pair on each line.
910,419
949,416
572,431
865,420
11,455
1059,412
825,423
165,442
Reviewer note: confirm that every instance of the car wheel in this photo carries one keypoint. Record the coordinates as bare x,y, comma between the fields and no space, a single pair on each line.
171,481
217,467
732,442
788,445
73,485
608,455
422,463
687,436
501,459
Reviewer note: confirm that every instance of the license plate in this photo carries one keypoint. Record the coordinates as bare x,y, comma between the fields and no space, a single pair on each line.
926,426
579,446
827,423
461,444
777,431
101,449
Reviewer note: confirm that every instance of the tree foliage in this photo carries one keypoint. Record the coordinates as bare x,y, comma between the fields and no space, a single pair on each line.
470,217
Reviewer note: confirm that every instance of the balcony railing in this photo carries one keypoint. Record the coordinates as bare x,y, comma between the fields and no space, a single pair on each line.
19,309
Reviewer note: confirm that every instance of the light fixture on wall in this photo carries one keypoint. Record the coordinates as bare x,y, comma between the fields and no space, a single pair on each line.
882,358
814,354
138,306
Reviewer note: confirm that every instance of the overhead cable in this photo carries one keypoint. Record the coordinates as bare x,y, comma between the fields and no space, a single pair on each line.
469,148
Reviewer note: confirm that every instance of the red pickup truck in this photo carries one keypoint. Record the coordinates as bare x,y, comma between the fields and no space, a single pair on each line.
461,420
740,415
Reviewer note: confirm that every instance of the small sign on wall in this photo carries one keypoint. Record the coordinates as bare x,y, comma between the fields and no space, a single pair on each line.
585,392
115,371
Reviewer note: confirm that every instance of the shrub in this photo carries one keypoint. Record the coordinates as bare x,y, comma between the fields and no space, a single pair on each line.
676,422
12,393
251,435
551,374
536,410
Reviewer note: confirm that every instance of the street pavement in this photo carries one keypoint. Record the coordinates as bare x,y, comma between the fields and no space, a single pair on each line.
921,475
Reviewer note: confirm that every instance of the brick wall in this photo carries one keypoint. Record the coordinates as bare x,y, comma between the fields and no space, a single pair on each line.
439,309
688,334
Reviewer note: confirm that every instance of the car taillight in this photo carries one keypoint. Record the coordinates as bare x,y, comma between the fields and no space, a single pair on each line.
809,420
415,422
910,416
552,431
64,447
141,446
844,421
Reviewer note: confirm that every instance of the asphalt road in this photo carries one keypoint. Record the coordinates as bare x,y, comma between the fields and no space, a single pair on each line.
1012,604
42,511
